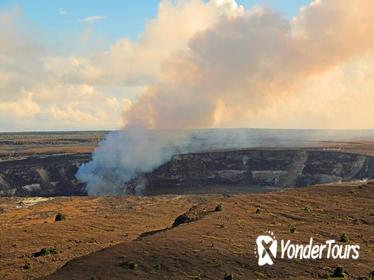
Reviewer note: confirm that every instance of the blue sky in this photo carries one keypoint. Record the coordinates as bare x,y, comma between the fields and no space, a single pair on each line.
125,18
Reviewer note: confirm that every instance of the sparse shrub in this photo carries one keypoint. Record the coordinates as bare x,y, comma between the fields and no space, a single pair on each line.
344,237
133,265
129,265
53,251
157,266
307,209
338,273
371,275
292,229
60,217
260,274
229,276
27,266
45,252
219,208
258,211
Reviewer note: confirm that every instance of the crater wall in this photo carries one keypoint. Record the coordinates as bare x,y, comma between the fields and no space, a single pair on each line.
256,170
248,170
42,176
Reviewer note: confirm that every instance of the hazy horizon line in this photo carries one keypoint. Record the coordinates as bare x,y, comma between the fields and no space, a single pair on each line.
190,129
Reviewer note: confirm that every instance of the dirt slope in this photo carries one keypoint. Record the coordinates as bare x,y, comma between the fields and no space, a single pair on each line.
223,242
91,224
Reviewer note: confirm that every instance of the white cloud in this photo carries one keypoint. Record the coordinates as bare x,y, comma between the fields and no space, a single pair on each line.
140,62
200,63
23,107
92,19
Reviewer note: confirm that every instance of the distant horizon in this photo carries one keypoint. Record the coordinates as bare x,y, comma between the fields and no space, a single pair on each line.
194,129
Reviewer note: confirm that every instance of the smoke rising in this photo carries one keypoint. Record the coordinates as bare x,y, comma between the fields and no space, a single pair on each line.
240,64
123,155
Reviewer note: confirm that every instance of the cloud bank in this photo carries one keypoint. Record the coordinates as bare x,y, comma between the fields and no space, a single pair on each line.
199,64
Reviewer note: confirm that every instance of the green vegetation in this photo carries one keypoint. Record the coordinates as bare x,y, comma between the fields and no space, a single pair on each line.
157,266
27,266
307,209
129,265
292,229
344,237
339,273
219,208
258,211
229,276
60,217
260,274
45,252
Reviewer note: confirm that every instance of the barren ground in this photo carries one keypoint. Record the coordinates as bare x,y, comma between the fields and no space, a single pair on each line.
218,243
22,145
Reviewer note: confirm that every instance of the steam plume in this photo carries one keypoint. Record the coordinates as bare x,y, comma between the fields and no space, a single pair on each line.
238,65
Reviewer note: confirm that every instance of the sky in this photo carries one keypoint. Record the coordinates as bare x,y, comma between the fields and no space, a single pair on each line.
82,65
115,19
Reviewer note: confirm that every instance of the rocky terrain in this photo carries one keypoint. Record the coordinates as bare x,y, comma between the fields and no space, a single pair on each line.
252,170
183,237
52,175
45,164
199,219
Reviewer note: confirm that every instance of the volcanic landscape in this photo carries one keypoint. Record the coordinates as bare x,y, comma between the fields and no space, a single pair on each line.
197,217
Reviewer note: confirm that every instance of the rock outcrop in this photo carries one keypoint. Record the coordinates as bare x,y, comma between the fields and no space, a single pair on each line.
234,171
42,176
256,170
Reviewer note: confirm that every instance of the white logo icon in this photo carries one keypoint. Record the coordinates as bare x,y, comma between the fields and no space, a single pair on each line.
267,246
266,249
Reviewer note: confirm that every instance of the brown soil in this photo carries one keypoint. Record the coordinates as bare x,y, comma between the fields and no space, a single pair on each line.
145,245
91,224
362,147
23,145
